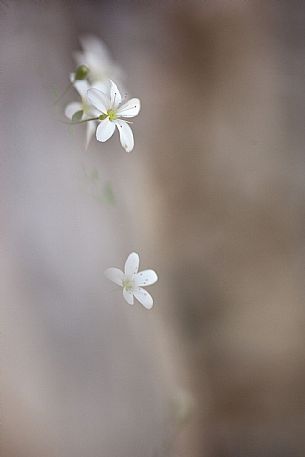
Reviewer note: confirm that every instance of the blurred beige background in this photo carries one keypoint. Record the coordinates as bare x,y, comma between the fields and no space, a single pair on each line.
212,198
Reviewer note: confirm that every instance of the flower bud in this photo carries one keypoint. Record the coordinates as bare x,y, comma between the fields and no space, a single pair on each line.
81,72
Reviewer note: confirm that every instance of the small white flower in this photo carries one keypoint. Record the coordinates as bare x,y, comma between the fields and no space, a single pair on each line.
109,104
133,282
96,57
86,111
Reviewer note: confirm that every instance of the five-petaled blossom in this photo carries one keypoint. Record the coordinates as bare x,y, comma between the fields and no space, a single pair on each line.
133,281
109,104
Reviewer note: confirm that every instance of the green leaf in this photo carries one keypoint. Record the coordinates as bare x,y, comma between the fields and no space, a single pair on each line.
109,194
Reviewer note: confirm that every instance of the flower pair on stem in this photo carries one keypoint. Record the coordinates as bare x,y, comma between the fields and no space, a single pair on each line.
103,109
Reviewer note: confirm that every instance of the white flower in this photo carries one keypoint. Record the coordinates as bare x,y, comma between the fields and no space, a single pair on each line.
96,57
82,107
109,104
132,281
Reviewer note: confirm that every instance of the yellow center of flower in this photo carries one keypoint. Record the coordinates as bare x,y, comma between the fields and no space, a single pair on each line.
111,113
128,284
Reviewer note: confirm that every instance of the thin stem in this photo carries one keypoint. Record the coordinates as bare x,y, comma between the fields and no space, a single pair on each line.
81,122
64,92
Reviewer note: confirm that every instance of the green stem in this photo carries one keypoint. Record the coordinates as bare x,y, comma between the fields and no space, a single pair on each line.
81,122
64,92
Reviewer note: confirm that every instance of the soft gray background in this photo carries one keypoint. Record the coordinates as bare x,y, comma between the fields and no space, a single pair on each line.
212,197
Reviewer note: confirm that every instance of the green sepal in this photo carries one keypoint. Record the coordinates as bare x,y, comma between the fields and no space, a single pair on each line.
77,116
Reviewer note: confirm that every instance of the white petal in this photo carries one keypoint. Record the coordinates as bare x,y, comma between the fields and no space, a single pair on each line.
105,130
144,297
90,131
115,96
128,295
132,264
103,86
146,278
126,135
82,87
110,89
90,111
130,108
73,108
115,275
98,99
